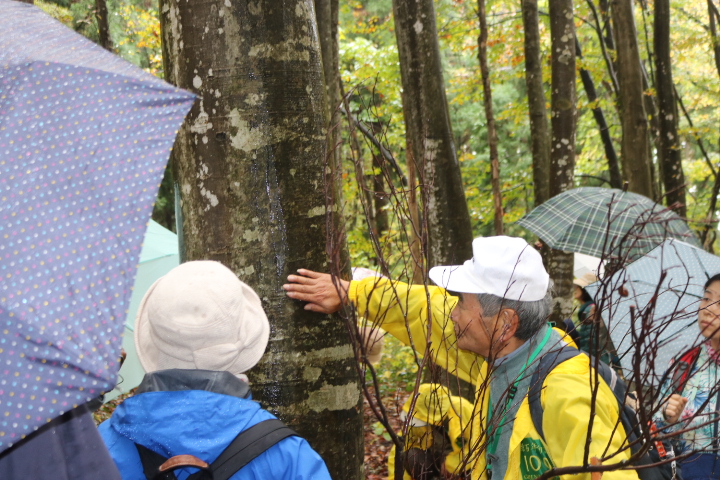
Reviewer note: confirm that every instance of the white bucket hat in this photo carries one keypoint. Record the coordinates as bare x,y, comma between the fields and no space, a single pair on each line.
585,280
201,316
507,267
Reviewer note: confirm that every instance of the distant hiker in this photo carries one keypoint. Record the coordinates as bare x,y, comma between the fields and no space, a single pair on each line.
593,335
198,329
493,331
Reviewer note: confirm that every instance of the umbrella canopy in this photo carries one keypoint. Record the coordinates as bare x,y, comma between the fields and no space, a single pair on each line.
605,222
584,264
671,304
159,255
84,139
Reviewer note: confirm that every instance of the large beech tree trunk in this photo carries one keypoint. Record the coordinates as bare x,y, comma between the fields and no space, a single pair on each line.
562,148
539,127
669,153
428,133
250,163
490,119
635,147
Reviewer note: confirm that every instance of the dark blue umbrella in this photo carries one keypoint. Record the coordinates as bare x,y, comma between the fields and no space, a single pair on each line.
84,139
671,304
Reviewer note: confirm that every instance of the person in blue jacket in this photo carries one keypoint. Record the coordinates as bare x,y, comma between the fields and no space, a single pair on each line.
198,329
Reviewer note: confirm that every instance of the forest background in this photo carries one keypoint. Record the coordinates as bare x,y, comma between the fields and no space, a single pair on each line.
370,69
370,72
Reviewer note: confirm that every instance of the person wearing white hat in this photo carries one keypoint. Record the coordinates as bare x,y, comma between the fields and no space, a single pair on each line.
197,331
489,326
593,336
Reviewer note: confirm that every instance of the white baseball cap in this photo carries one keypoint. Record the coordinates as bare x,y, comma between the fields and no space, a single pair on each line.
201,316
507,267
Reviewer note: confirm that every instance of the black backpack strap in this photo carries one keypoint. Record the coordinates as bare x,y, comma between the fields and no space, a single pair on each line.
151,462
547,363
247,446
608,375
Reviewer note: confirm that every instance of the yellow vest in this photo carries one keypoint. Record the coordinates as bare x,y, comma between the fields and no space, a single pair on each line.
402,310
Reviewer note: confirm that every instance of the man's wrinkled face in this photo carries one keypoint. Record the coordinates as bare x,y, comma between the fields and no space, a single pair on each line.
475,332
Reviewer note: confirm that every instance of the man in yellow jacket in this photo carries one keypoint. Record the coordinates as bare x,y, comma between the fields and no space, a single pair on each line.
486,323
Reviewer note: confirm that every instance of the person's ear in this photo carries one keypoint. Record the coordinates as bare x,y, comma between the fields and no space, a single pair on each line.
510,322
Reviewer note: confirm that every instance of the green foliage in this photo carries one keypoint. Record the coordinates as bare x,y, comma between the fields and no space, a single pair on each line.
379,430
370,72
58,11
139,41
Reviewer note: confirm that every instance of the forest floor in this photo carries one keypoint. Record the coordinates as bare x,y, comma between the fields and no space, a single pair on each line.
377,441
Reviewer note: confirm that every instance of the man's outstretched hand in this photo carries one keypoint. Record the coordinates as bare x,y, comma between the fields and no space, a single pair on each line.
318,289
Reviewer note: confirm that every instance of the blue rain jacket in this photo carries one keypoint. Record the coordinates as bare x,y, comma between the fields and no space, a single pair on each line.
201,423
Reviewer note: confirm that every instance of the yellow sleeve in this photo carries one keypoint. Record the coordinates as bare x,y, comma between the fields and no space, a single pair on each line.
403,311
567,416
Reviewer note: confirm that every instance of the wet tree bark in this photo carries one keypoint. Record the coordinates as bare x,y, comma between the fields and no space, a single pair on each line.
539,127
562,148
101,15
429,134
250,164
490,119
635,146
669,153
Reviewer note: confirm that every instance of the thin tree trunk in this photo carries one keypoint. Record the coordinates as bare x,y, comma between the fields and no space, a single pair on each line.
651,110
441,229
635,149
714,19
327,13
380,198
610,155
562,149
669,152
101,15
714,15
250,163
429,134
490,119
607,40
539,127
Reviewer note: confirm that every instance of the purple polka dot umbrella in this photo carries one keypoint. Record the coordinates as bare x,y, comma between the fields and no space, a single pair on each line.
84,139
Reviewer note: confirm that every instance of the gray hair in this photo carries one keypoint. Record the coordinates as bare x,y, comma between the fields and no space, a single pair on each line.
532,315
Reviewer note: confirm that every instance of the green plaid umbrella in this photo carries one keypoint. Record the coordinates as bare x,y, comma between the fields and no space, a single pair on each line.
605,222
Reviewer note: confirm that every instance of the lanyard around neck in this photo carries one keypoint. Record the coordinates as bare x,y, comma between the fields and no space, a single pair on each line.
495,438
